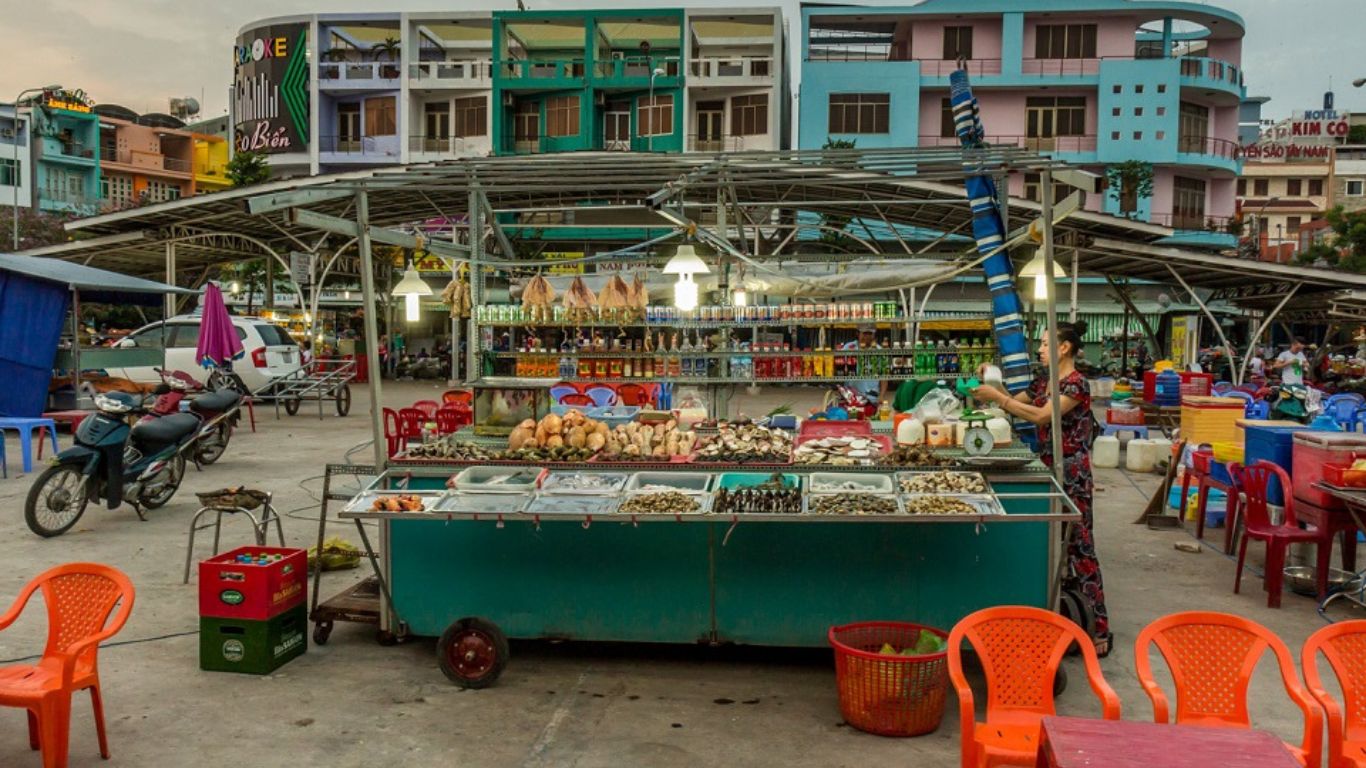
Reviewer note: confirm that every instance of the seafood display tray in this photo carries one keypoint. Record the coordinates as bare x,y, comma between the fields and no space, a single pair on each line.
363,501
684,482
480,503
982,503
850,482
903,476
559,484
703,500
551,504
492,479
810,500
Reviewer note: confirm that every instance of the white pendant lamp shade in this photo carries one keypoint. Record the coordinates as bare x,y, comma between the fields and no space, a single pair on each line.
1037,269
685,261
412,284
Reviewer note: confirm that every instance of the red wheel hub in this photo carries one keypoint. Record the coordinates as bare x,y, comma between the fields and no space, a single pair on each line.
472,654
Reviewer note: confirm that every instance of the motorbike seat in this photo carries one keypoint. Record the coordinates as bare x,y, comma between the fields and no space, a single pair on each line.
215,402
165,430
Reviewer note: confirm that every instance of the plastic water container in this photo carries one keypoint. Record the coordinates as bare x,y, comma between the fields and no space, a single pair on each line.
1162,448
1167,388
1105,451
1139,455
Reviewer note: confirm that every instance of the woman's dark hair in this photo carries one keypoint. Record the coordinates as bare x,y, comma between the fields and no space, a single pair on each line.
1072,333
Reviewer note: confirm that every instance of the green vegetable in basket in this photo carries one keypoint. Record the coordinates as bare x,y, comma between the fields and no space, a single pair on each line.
928,642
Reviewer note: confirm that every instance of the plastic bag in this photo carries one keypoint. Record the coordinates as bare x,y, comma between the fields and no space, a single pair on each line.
338,555
937,406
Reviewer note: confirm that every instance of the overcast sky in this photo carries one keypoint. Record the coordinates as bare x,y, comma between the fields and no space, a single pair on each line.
139,53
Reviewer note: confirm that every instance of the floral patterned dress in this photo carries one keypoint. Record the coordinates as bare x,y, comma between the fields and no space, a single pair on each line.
1078,483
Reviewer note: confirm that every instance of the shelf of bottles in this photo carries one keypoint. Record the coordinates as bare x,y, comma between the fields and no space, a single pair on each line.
794,315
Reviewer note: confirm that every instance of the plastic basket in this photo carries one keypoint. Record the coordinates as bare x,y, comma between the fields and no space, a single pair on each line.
1344,476
1227,452
884,694
1131,417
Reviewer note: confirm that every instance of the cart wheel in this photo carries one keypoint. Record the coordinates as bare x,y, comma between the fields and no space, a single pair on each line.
1060,681
1074,606
321,631
472,652
386,638
292,405
344,400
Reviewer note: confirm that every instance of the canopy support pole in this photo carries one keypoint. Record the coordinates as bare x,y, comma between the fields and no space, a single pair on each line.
1076,267
475,213
1261,328
1143,321
1054,396
168,307
367,287
1237,370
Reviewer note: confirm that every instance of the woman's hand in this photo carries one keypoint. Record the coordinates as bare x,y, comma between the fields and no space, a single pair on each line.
987,394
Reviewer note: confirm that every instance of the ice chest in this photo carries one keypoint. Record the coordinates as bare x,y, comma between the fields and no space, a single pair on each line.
1314,449
252,647
232,590
1211,419
1271,441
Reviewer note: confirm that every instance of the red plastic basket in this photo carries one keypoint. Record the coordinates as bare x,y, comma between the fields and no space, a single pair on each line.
1201,460
1132,417
884,694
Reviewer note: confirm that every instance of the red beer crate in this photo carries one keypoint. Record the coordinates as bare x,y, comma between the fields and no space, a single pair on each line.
232,590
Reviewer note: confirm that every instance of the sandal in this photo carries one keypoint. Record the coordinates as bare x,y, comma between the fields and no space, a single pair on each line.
1105,644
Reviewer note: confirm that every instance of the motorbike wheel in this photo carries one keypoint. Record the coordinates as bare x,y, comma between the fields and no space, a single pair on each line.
56,501
211,450
177,470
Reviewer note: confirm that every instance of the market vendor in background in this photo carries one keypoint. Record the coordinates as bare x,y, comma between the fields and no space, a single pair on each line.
1292,363
1074,398
873,389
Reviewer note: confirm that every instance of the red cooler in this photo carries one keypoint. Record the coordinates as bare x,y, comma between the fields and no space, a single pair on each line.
1313,450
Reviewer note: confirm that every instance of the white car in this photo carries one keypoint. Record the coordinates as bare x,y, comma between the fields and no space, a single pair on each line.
269,350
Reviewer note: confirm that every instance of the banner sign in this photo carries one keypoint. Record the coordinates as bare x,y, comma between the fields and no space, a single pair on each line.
301,268
270,89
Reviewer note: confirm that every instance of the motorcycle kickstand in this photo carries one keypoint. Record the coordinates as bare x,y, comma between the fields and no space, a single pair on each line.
138,509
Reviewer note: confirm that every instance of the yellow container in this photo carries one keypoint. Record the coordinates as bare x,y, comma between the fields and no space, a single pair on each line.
1226,453
1211,419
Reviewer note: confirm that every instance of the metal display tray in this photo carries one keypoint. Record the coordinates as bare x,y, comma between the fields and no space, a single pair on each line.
808,504
492,479
556,483
703,501
481,503
850,482
564,504
983,503
902,476
685,482
363,500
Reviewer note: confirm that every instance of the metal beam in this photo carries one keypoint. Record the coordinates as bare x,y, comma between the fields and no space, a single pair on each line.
302,217
1257,334
281,201
1214,321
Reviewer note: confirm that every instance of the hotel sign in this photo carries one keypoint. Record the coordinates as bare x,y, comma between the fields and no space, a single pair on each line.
270,89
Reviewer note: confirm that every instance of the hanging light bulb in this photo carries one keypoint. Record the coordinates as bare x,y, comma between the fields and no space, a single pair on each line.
685,293
233,287
1040,288
412,287
739,298
346,295
412,306
1035,268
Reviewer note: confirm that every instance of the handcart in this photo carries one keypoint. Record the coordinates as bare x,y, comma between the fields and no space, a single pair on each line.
321,379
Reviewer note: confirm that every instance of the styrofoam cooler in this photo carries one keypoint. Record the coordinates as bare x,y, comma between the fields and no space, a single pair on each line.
1314,449
1271,441
1211,419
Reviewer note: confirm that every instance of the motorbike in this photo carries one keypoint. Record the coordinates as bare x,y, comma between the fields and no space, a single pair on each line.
1289,402
114,459
217,406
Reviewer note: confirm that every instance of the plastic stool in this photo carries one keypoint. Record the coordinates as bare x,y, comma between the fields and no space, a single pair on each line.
25,428
1113,430
260,527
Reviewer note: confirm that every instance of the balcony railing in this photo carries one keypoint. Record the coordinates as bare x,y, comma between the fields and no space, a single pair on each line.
380,147
71,148
1211,69
1061,67
176,165
731,67
1055,144
1208,145
359,73
945,67
1196,221
638,67
531,69
724,143
445,145
452,71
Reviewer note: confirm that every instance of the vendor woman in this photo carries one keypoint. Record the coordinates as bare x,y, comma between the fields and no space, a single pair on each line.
1035,406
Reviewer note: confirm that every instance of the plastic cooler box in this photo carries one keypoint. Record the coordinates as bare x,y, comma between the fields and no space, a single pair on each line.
1211,419
1271,441
252,647
1313,450
232,590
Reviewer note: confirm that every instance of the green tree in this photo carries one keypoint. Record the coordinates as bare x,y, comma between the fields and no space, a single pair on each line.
1357,134
1345,248
36,228
390,49
1128,183
248,168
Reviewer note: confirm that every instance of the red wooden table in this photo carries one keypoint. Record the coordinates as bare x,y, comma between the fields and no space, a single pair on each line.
1074,742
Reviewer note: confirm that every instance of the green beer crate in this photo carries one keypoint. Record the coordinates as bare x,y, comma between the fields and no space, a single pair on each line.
252,647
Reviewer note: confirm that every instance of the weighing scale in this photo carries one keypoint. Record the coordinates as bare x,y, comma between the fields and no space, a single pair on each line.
977,439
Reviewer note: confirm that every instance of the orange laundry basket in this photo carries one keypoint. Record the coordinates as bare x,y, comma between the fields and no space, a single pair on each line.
890,695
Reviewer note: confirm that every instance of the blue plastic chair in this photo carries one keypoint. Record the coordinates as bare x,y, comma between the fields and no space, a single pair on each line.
1358,421
602,395
560,390
1221,388
1258,409
1343,408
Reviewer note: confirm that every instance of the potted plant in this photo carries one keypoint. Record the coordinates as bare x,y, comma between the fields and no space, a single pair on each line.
1128,183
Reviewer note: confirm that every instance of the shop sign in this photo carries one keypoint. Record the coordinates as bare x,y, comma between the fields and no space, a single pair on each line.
564,269
1289,151
301,268
71,101
270,89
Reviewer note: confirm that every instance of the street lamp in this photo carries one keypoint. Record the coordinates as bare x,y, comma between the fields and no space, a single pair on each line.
14,142
650,138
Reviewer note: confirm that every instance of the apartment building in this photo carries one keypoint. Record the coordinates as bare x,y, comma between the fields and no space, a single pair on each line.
143,158
66,153
1092,82
16,161
389,88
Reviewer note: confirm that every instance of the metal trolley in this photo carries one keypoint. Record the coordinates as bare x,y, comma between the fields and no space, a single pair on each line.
321,379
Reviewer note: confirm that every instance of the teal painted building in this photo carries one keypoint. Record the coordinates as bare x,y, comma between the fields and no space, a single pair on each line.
66,154
588,80
1092,82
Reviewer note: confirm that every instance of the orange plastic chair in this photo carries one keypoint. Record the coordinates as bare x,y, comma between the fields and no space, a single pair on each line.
81,599
457,397
1020,649
1344,645
1211,657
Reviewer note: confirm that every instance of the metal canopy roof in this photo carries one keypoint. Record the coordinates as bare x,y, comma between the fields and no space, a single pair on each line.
94,284
919,187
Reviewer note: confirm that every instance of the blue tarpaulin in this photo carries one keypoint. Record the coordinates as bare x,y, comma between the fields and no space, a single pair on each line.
31,316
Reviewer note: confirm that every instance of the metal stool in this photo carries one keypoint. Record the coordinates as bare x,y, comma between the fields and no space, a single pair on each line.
260,526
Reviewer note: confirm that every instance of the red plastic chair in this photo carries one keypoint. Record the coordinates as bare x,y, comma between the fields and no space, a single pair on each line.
448,420
577,398
633,394
393,434
1020,649
410,421
1211,657
457,397
81,599
1201,462
1258,526
1344,645
428,407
